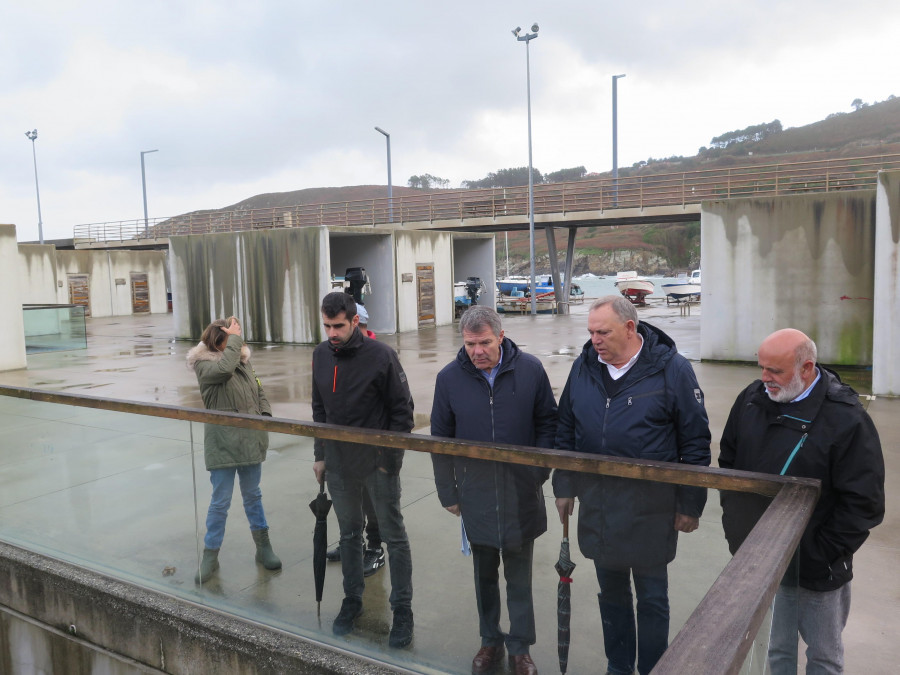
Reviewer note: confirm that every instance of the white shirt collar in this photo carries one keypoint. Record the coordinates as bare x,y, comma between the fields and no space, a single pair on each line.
616,373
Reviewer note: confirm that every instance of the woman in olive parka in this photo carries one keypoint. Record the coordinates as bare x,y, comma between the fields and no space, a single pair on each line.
227,382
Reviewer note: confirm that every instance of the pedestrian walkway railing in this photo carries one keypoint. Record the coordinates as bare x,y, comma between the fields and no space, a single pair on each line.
507,205
119,489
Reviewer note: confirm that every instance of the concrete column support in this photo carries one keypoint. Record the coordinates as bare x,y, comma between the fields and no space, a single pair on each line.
886,320
12,329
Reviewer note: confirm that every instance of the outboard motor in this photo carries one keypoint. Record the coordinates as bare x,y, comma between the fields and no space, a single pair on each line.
473,289
357,280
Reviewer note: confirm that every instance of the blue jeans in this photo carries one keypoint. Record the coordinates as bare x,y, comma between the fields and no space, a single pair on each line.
223,487
519,603
617,614
347,495
819,617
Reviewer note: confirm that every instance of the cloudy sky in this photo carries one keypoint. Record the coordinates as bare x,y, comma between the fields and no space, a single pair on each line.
242,98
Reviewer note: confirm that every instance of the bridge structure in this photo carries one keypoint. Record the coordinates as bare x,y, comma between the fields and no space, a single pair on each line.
650,198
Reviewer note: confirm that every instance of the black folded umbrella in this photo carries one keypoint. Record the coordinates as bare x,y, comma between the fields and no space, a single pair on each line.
564,567
320,506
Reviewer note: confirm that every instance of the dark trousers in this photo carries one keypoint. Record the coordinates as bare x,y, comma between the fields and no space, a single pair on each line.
384,490
617,614
517,570
373,536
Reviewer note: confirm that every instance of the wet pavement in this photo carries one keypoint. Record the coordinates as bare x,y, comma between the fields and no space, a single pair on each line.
135,358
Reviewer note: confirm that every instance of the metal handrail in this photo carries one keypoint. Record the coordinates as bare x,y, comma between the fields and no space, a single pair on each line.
592,194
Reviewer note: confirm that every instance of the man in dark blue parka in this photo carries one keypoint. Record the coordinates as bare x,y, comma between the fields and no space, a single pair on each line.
631,394
493,392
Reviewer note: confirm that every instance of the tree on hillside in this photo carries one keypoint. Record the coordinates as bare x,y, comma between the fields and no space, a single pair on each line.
565,175
752,133
504,178
858,103
426,181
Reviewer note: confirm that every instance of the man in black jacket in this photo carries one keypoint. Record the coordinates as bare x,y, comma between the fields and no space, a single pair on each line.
357,381
799,419
495,393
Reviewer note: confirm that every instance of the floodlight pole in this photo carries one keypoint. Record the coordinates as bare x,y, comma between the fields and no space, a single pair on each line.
32,136
144,187
528,37
387,137
615,140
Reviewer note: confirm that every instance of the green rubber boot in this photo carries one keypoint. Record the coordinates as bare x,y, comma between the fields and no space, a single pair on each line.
264,552
208,564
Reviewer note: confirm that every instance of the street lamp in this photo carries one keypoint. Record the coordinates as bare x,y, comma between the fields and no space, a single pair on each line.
528,37
32,136
615,142
387,137
144,187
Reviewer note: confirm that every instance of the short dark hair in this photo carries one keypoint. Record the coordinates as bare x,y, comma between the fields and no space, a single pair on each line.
337,302
479,317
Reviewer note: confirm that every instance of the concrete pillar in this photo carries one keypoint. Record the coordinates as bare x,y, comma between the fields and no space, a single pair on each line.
12,329
886,323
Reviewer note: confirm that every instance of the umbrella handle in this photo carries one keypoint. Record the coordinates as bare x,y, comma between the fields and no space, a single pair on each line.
322,488
566,526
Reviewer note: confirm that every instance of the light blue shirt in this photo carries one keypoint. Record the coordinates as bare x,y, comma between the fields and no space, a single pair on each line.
491,375
809,388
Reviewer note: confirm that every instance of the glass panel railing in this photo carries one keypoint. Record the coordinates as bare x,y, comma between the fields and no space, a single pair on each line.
54,328
128,495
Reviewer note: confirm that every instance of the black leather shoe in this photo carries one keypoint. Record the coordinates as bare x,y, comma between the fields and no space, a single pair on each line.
487,660
351,608
334,555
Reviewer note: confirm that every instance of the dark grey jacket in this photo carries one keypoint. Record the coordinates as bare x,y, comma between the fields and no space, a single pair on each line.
502,505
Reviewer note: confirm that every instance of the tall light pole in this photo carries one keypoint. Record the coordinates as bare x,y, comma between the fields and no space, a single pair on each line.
528,37
387,137
32,136
144,187
615,141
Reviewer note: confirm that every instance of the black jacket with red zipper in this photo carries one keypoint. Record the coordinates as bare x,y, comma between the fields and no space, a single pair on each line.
359,384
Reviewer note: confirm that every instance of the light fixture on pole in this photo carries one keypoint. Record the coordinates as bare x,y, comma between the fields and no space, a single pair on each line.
528,37
32,136
615,140
144,187
387,137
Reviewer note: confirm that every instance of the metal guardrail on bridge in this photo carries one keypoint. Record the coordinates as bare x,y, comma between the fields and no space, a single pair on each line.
589,195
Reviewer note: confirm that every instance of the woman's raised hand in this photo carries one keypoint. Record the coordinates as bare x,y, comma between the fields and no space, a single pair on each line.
234,328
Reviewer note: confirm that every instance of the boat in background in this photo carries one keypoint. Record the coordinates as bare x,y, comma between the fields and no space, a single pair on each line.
510,285
683,289
513,286
633,287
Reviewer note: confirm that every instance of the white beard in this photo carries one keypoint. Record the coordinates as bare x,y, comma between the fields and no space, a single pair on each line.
790,391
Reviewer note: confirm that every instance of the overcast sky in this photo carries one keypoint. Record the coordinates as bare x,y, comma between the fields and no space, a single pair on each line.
242,98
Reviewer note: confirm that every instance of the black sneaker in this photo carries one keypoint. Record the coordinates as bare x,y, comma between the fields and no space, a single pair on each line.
334,555
373,560
351,608
402,630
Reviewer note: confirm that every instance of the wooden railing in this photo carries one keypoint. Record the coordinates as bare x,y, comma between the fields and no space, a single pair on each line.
591,195
719,633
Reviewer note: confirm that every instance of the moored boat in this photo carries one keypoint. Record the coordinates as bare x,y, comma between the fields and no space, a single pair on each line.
633,287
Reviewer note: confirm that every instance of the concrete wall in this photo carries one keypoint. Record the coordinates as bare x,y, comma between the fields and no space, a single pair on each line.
474,256
272,280
805,262
103,269
420,247
12,329
37,265
886,338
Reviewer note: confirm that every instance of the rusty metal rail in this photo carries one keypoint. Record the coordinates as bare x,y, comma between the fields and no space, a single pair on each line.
591,195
